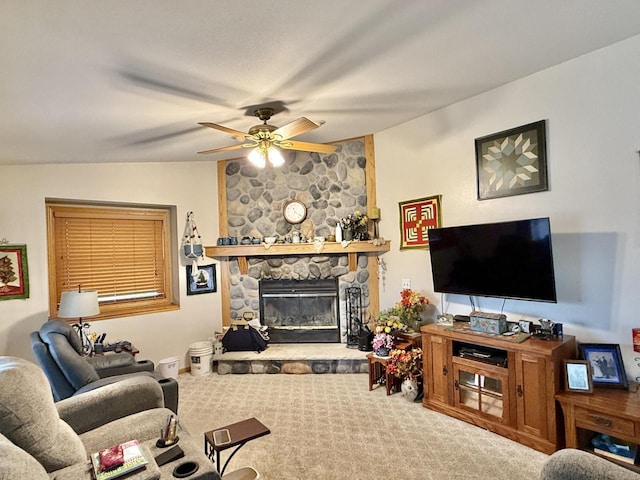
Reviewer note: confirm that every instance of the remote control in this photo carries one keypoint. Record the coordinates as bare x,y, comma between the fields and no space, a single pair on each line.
221,437
170,455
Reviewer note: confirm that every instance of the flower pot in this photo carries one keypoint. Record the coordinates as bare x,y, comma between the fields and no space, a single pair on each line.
382,352
192,251
347,234
410,388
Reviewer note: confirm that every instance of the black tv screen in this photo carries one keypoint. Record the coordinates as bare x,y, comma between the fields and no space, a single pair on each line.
505,260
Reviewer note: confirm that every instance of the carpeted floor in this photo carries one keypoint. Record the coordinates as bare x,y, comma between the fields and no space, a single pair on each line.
329,427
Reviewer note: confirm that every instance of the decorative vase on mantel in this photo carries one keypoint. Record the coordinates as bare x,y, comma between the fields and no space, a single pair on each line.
347,234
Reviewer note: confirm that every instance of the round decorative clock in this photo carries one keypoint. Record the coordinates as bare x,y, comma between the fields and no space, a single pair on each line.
294,211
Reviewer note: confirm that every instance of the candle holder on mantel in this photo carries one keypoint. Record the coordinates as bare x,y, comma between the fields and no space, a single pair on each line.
374,216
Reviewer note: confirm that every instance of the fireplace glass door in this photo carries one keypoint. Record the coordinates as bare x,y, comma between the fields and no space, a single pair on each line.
300,311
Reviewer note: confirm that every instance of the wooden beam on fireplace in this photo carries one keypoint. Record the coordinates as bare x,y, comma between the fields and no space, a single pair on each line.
241,252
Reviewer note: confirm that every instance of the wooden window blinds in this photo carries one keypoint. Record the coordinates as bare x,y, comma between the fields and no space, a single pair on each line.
121,252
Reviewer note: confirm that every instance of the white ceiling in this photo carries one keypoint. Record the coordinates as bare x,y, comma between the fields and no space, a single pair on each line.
128,80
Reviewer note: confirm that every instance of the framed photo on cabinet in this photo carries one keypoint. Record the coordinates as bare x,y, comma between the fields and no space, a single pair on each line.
607,368
578,376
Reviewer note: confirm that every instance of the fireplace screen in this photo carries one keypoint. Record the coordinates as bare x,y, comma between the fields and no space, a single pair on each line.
300,310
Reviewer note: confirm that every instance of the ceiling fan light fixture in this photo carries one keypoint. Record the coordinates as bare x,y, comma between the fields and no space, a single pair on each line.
257,157
275,157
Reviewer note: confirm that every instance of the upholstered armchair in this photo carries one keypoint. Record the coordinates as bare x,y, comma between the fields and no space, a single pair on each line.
572,464
59,352
41,439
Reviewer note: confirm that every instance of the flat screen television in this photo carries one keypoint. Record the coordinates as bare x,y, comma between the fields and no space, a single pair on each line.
505,260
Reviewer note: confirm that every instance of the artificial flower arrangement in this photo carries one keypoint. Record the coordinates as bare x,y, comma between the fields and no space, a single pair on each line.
388,321
405,364
404,315
382,341
356,223
411,303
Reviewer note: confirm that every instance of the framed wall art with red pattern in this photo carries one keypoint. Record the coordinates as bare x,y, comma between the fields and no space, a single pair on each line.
416,218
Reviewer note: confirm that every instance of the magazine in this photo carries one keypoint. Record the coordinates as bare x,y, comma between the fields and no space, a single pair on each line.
132,456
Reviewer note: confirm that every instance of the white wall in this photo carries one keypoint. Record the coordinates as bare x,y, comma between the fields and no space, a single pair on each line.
592,106
188,186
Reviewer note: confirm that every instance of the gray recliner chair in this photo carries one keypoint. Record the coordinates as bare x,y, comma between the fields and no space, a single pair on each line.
43,440
58,349
573,464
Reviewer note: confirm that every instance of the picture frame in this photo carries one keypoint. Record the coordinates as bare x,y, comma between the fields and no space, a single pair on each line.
416,218
203,282
512,162
607,367
14,272
578,376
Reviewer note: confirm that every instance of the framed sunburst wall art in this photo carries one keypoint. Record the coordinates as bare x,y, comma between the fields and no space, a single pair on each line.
512,162
416,218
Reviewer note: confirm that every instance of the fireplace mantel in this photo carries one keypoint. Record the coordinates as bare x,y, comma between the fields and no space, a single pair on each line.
286,249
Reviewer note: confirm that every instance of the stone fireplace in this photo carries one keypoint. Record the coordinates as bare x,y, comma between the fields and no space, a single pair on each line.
300,311
331,186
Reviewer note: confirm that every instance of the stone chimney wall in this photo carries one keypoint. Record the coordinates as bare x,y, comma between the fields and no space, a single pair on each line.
331,186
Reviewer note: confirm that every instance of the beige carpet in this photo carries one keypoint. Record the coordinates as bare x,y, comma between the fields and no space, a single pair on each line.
327,427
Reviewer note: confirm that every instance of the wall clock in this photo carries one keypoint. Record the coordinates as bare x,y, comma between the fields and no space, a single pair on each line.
294,211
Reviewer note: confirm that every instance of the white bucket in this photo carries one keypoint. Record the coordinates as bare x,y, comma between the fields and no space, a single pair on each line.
200,353
244,473
169,367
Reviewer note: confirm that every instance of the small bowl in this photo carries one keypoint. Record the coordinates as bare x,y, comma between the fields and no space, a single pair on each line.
270,239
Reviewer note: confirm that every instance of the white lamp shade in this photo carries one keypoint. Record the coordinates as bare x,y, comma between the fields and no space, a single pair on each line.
74,304
257,157
275,157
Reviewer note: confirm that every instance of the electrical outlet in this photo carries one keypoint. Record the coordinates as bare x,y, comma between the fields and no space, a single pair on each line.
406,283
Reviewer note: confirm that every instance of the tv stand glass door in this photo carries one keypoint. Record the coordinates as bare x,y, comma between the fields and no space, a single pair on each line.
481,388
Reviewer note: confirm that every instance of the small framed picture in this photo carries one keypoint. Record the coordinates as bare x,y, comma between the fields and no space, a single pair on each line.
605,360
201,281
578,376
525,326
14,274
416,218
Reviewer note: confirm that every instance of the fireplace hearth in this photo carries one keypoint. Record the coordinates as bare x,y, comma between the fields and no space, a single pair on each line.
300,311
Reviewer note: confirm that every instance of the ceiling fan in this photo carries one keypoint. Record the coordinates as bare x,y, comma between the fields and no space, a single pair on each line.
265,139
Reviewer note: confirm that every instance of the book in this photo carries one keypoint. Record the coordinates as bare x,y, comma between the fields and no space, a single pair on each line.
133,460
614,448
616,456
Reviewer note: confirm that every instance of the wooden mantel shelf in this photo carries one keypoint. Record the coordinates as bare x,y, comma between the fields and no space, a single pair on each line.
286,249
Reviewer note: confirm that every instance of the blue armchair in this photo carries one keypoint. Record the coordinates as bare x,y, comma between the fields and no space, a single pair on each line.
58,349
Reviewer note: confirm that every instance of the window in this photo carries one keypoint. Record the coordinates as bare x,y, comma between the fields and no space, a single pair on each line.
122,252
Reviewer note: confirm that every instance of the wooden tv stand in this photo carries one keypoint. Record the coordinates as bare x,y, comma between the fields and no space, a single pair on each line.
510,392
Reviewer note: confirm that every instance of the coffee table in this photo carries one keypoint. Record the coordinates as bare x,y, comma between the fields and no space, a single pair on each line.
239,433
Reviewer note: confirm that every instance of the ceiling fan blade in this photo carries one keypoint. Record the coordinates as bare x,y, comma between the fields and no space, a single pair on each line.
224,149
215,126
295,128
309,147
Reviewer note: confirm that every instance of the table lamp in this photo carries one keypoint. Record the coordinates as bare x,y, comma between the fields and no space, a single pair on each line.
78,304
